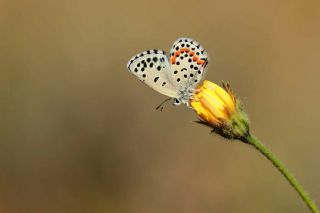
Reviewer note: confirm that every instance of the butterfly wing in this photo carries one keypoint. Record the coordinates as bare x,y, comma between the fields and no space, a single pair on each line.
152,67
188,61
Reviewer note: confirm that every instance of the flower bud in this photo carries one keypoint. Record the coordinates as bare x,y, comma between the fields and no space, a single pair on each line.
218,108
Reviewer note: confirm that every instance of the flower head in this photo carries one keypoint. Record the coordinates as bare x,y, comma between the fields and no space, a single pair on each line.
218,108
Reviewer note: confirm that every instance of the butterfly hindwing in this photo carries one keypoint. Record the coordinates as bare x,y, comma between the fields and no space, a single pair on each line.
188,60
152,67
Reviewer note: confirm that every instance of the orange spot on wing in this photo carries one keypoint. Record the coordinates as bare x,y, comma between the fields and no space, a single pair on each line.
195,58
173,59
200,62
191,53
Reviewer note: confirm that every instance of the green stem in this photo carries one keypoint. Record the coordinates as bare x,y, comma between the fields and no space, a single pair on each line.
284,171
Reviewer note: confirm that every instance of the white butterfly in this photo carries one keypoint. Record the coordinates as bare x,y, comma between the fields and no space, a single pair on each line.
177,77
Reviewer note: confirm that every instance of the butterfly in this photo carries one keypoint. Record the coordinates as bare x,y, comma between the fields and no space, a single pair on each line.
176,75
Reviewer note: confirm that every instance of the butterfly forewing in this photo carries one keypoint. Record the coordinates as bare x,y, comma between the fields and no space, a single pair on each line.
152,67
188,60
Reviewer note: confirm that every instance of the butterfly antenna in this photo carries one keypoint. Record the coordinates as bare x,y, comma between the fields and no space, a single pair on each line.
160,107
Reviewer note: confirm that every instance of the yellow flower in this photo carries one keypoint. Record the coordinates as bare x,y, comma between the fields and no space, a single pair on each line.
212,103
218,108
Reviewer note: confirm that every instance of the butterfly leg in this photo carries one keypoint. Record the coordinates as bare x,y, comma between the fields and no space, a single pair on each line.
160,107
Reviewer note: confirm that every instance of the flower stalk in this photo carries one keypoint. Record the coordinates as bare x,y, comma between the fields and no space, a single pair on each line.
253,141
219,109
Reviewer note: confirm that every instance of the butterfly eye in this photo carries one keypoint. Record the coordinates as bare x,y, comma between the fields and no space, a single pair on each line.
176,102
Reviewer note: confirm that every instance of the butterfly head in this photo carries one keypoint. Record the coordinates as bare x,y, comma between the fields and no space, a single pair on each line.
184,97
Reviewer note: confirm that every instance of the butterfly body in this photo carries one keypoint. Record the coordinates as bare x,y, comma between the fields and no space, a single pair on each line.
176,76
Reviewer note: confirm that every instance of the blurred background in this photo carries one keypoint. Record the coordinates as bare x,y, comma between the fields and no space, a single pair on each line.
79,134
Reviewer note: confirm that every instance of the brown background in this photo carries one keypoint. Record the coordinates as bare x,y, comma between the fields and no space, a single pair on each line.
79,134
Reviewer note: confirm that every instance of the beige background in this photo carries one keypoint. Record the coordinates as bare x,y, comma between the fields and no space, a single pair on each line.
79,134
